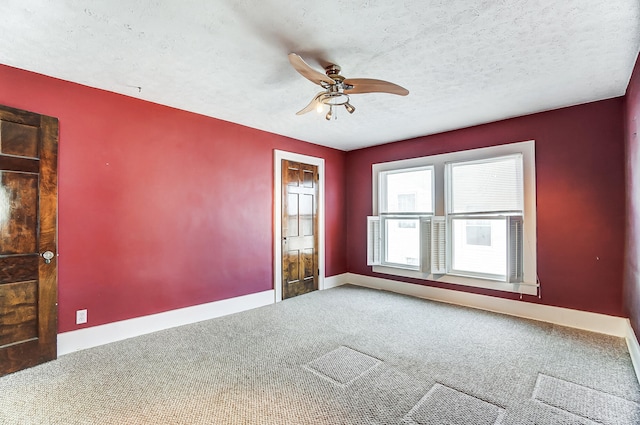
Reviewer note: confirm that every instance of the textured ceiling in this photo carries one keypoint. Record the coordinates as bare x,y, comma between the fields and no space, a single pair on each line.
464,62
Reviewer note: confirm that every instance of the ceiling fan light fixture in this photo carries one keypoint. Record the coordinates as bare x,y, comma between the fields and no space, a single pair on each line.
336,88
329,114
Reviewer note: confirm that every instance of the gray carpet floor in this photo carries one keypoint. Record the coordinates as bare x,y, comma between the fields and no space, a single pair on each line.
347,355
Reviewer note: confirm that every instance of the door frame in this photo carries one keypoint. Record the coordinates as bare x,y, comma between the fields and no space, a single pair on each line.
278,156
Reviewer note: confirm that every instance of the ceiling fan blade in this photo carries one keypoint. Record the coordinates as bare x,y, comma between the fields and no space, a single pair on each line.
369,85
307,72
312,105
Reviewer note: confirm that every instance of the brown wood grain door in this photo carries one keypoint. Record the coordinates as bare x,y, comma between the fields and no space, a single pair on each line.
28,208
299,228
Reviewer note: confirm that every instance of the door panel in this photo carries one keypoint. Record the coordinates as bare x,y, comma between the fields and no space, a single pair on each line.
18,310
18,268
19,139
309,262
309,175
292,212
28,216
291,272
306,217
18,212
299,228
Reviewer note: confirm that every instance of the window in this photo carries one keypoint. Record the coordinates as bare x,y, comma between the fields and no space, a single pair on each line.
465,217
406,196
482,197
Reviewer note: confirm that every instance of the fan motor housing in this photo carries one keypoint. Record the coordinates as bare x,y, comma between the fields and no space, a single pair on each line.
333,72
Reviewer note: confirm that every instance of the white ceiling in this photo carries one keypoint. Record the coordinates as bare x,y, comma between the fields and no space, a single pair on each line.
465,62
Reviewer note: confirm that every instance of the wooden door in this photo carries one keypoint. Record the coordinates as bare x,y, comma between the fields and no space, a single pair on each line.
299,228
28,208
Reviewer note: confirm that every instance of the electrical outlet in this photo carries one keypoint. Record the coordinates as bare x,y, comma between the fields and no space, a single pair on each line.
81,317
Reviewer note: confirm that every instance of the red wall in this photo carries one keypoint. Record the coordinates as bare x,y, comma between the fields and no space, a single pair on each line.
580,199
632,252
161,208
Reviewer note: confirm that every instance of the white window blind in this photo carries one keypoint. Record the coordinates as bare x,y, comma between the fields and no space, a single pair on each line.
486,186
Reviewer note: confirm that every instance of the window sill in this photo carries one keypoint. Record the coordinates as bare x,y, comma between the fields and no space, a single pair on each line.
518,288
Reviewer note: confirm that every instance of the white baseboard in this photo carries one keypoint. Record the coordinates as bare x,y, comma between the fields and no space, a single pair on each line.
594,322
334,281
82,339
634,348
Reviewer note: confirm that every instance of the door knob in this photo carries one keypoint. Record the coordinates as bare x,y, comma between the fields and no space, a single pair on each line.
47,255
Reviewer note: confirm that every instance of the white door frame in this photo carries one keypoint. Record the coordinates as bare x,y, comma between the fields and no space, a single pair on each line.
277,216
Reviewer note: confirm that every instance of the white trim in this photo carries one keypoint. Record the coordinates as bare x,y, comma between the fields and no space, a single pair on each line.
335,281
594,322
634,349
81,339
277,215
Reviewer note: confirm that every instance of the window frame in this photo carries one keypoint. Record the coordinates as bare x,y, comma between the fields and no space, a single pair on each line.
529,284
400,215
382,189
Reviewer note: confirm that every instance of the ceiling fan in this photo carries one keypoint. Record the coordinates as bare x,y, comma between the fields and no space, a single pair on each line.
336,88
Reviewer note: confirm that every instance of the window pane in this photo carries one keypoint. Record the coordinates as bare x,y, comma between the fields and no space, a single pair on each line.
485,186
402,241
478,232
407,191
479,246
